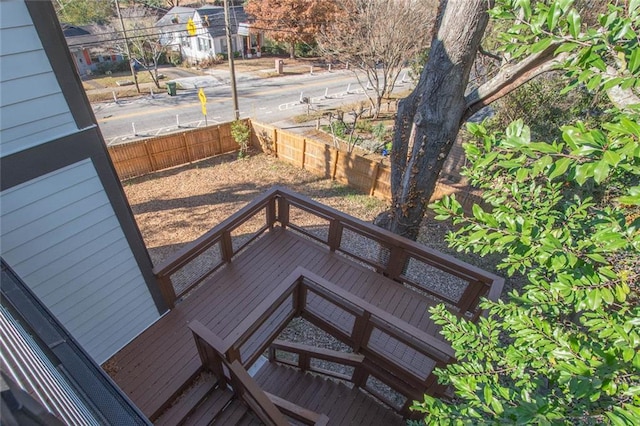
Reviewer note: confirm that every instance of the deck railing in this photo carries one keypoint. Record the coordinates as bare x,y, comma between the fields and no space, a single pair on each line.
460,284
212,353
394,352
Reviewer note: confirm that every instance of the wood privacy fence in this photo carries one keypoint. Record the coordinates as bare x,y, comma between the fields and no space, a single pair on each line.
368,175
150,155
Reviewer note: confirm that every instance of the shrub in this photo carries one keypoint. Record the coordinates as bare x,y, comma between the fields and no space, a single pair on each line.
241,133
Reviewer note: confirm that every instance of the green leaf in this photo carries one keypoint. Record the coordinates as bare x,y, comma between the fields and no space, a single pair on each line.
560,167
612,158
565,47
634,61
553,15
601,171
573,18
541,45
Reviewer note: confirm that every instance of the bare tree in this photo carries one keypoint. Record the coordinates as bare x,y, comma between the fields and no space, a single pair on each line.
378,37
146,44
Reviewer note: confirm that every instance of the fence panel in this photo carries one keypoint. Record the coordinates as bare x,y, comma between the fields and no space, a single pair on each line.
370,176
168,151
131,159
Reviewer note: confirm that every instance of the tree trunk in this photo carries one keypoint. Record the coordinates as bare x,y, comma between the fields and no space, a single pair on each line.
429,119
292,50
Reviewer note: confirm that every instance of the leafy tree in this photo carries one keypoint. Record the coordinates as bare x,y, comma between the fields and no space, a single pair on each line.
429,119
566,214
378,37
84,12
290,21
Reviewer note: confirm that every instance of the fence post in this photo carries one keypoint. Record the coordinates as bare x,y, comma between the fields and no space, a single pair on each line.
152,163
219,139
304,149
334,166
186,147
374,181
275,141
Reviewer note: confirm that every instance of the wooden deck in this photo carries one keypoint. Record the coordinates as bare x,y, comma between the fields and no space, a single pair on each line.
233,290
153,367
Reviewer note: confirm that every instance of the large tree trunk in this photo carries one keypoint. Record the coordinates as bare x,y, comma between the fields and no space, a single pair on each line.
429,118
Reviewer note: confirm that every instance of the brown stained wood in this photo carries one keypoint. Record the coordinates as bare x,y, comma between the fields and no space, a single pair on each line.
187,403
210,408
230,416
158,363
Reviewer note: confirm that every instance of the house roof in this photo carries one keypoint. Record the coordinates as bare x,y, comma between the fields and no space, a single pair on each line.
179,13
77,36
215,16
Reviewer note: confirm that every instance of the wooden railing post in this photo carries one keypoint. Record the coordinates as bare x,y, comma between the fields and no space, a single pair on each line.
396,263
283,211
335,234
271,213
226,247
167,290
361,331
210,359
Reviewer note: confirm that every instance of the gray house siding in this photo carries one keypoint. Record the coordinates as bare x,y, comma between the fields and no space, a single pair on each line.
33,107
66,226
60,234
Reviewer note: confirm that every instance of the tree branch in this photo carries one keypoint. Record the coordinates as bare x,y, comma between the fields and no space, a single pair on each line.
489,54
511,77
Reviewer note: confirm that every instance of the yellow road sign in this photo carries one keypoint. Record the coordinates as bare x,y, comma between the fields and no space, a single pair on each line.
202,97
204,110
191,27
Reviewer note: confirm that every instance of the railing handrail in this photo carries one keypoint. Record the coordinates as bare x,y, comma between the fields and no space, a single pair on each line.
261,403
185,254
267,411
411,335
453,265
480,283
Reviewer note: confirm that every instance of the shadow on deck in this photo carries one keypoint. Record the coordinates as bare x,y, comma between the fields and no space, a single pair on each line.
238,286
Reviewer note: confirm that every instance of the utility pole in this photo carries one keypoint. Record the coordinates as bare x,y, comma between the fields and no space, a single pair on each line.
234,92
126,43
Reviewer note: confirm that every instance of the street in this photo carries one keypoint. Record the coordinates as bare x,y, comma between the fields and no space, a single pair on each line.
267,100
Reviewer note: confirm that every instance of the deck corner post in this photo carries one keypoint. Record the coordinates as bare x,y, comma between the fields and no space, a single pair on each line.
283,211
271,213
167,290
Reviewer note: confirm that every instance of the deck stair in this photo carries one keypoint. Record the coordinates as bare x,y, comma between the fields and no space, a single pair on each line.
204,403
343,404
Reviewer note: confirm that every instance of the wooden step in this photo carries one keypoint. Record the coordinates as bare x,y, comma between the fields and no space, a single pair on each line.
211,407
188,401
232,414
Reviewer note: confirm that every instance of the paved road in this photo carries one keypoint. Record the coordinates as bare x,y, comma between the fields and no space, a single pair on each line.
265,99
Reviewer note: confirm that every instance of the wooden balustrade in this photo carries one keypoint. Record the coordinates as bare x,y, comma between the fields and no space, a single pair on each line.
212,351
277,203
295,289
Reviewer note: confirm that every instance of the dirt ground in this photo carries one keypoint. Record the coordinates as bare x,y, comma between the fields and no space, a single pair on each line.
176,206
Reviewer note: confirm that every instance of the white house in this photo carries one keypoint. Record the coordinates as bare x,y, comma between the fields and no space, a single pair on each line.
209,38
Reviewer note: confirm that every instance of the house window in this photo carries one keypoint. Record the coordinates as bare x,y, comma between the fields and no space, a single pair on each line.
185,41
204,44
